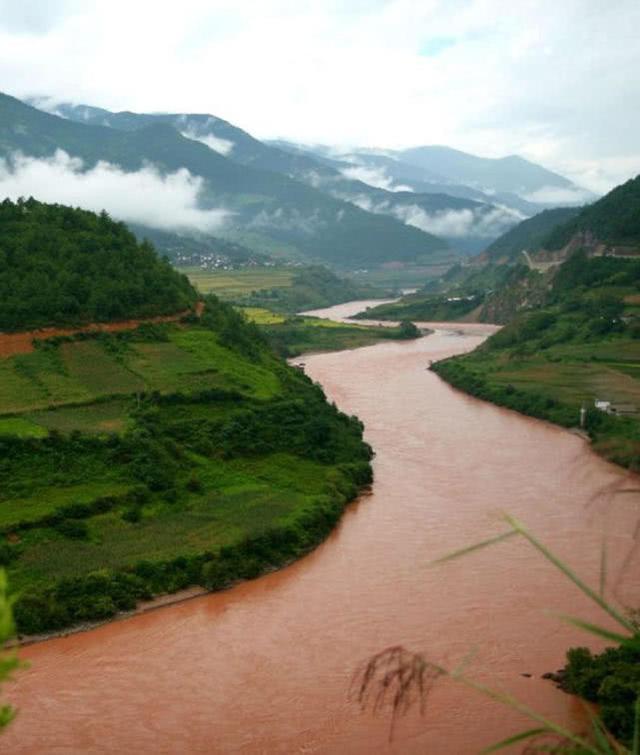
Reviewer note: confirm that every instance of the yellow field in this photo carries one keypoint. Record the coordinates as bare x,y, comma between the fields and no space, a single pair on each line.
261,316
228,284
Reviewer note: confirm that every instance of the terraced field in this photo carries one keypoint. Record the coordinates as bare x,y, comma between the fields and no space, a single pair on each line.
131,461
234,284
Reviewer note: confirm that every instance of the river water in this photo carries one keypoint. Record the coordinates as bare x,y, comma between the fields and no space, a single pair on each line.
266,667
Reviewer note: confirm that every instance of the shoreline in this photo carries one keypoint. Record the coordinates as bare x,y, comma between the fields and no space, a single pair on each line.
195,591
170,599
145,606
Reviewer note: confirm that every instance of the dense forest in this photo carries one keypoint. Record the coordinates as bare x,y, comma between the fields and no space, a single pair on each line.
65,266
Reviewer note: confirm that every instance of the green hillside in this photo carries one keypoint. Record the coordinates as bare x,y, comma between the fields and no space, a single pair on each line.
530,234
613,220
65,266
138,463
583,344
269,206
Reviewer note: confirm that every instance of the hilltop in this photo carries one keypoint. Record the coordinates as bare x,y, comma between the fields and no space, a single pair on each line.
612,222
65,266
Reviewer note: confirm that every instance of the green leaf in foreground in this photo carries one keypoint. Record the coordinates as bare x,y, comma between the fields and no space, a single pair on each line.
474,547
9,662
521,737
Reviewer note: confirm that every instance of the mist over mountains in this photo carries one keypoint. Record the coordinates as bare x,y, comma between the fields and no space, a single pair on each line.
197,174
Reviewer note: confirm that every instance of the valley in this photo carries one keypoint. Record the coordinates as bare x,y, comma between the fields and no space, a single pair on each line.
323,438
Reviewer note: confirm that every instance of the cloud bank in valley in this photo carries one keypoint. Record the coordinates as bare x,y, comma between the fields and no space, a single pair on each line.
376,177
147,197
488,222
559,195
216,143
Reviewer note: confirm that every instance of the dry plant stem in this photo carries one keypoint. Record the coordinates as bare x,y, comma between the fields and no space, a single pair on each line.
400,678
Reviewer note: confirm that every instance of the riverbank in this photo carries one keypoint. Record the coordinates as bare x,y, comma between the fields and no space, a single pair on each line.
557,388
214,462
161,601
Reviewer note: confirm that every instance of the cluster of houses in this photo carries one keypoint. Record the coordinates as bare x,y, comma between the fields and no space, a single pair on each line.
215,261
610,408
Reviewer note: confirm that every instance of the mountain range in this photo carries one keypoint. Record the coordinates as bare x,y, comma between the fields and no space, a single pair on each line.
349,209
466,219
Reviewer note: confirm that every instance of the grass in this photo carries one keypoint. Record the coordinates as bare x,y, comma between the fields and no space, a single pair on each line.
46,499
240,498
554,383
232,284
82,372
99,372
102,417
124,454
243,374
261,316
21,427
572,373
399,678
298,335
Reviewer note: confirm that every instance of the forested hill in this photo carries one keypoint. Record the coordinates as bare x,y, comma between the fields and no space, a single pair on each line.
65,266
612,220
529,234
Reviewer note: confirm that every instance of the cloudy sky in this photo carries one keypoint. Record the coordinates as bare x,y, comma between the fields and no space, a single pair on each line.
556,81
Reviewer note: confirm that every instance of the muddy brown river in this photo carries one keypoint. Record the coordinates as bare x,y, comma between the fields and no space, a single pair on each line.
266,667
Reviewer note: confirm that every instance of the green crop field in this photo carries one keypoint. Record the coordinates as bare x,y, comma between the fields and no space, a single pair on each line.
21,427
46,499
141,462
239,498
111,416
261,316
233,284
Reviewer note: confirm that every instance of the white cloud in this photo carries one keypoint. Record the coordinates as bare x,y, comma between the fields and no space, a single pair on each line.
147,197
459,223
286,219
377,177
216,143
483,222
559,195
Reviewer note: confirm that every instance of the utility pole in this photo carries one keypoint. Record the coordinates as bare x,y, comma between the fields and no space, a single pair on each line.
583,416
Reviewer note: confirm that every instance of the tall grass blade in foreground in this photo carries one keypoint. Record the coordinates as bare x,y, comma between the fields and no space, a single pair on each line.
397,675
9,662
